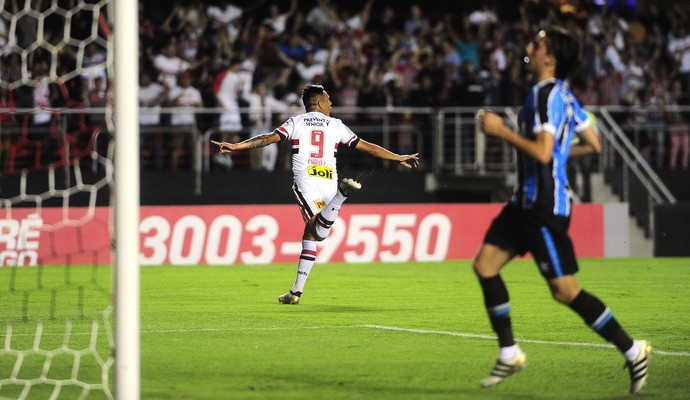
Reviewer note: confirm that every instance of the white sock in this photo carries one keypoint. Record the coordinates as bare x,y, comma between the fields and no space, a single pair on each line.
632,353
330,212
306,261
507,353
328,215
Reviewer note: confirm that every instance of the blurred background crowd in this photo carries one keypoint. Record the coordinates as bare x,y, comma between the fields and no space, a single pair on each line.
257,55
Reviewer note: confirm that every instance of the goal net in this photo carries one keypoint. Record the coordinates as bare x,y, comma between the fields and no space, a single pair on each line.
56,224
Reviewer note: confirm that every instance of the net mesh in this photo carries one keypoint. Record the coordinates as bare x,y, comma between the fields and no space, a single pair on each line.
56,171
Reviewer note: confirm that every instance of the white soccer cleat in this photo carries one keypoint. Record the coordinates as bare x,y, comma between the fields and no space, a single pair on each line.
348,185
503,369
638,368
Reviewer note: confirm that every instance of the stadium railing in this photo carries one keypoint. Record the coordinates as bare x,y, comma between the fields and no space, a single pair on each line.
446,139
625,169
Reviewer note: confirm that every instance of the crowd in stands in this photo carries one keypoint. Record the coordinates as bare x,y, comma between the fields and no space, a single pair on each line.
233,54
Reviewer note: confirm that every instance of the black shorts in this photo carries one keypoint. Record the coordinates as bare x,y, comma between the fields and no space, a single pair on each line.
546,237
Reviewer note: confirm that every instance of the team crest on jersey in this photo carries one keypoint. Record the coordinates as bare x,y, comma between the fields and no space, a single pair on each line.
319,171
320,204
569,111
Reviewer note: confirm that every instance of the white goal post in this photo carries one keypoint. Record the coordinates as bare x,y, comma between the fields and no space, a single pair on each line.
52,54
127,340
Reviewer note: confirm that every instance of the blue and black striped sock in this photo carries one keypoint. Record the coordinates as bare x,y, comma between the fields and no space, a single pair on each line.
498,307
599,317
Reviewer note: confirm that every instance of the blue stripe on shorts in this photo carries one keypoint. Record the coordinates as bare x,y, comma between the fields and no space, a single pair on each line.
553,253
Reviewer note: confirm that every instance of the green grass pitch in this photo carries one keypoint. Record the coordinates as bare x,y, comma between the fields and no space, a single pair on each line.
362,331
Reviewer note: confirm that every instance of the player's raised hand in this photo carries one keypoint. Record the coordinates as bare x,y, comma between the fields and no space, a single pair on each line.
223,147
409,160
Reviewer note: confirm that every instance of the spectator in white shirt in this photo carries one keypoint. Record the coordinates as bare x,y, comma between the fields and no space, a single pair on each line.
183,96
278,21
310,70
320,17
94,65
679,47
42,97
151,96
355,23
613,55
229,90
227,94
228,17
170,65
224,15
262,106
97,98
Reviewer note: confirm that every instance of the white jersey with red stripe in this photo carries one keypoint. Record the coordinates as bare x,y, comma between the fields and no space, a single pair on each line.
315,138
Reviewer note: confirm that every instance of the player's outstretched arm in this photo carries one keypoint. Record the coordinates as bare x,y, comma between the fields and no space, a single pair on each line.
406,160
251,143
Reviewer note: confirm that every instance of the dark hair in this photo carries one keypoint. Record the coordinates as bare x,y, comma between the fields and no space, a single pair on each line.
235,61
311,95
565,47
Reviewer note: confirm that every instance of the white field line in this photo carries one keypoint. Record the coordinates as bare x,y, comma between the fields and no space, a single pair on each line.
379,327
488,337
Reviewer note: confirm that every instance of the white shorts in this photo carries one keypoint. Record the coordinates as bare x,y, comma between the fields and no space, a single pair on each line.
313,194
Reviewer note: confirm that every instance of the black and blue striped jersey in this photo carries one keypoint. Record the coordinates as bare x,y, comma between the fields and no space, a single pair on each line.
551,109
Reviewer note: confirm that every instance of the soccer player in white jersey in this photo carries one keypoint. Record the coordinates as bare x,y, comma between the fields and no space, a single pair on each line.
315,138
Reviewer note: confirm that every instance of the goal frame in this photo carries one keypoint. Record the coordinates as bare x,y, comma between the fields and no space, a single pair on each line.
127,281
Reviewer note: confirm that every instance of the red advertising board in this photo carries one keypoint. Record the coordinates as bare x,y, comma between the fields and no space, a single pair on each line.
227,235
363,233
55,236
